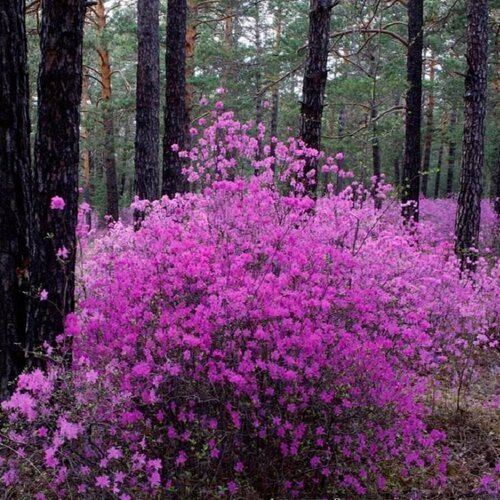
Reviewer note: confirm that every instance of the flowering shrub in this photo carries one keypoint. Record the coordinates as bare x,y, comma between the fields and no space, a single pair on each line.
249,341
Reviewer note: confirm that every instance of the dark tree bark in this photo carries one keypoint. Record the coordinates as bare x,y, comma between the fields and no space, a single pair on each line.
412,157
313,89
112,198
57,156
15,185
429,128
471,187
437,184
451,153
176,117
147,136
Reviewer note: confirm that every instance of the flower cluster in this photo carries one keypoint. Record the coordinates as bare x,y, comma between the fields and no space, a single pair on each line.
249,340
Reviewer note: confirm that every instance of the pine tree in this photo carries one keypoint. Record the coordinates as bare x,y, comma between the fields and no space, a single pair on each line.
57,158
176,117
14,189
147,139
471,175
412,157
314,84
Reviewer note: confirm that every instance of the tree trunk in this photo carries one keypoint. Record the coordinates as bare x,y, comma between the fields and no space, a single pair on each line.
108,118
147,132
86,153
57,159
85,135
15,183
258,78
176,118
438,173
227,61
191,34
275,94
412,158
314,84
471,176
376,160
341,128
451,153
429,127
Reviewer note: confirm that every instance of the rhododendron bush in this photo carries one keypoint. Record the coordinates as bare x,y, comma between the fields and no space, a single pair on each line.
248,341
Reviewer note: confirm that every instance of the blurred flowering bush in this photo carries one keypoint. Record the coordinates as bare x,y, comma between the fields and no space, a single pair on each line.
249,341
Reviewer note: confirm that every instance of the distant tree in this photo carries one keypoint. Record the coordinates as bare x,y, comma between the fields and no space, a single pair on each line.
471,176
147,138
314,83
105,74
15,183
176,116
451,152
412,157
437,183
429,126
57,158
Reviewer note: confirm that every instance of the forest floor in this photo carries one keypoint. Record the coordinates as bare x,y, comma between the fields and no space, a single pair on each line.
473,434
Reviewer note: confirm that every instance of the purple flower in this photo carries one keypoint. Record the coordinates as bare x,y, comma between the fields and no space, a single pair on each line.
57,203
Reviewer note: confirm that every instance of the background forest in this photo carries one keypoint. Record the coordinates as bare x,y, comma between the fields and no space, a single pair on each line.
256,50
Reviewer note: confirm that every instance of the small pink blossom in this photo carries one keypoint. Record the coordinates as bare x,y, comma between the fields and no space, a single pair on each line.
57,203
62,253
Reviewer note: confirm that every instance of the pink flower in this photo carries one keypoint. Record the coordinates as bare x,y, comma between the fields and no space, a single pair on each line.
181,458
114,453
203,101
44,294
220,90
174,147
62,252
219,105
102,481
57,203
69,430
91,376
232,487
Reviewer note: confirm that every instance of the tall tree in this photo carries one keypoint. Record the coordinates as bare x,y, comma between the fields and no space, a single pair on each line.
429,127
191,38
176,116
314,84
471,188
108,114
147,136
412,157
451,152
57,157
275,93
438,170
14,189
